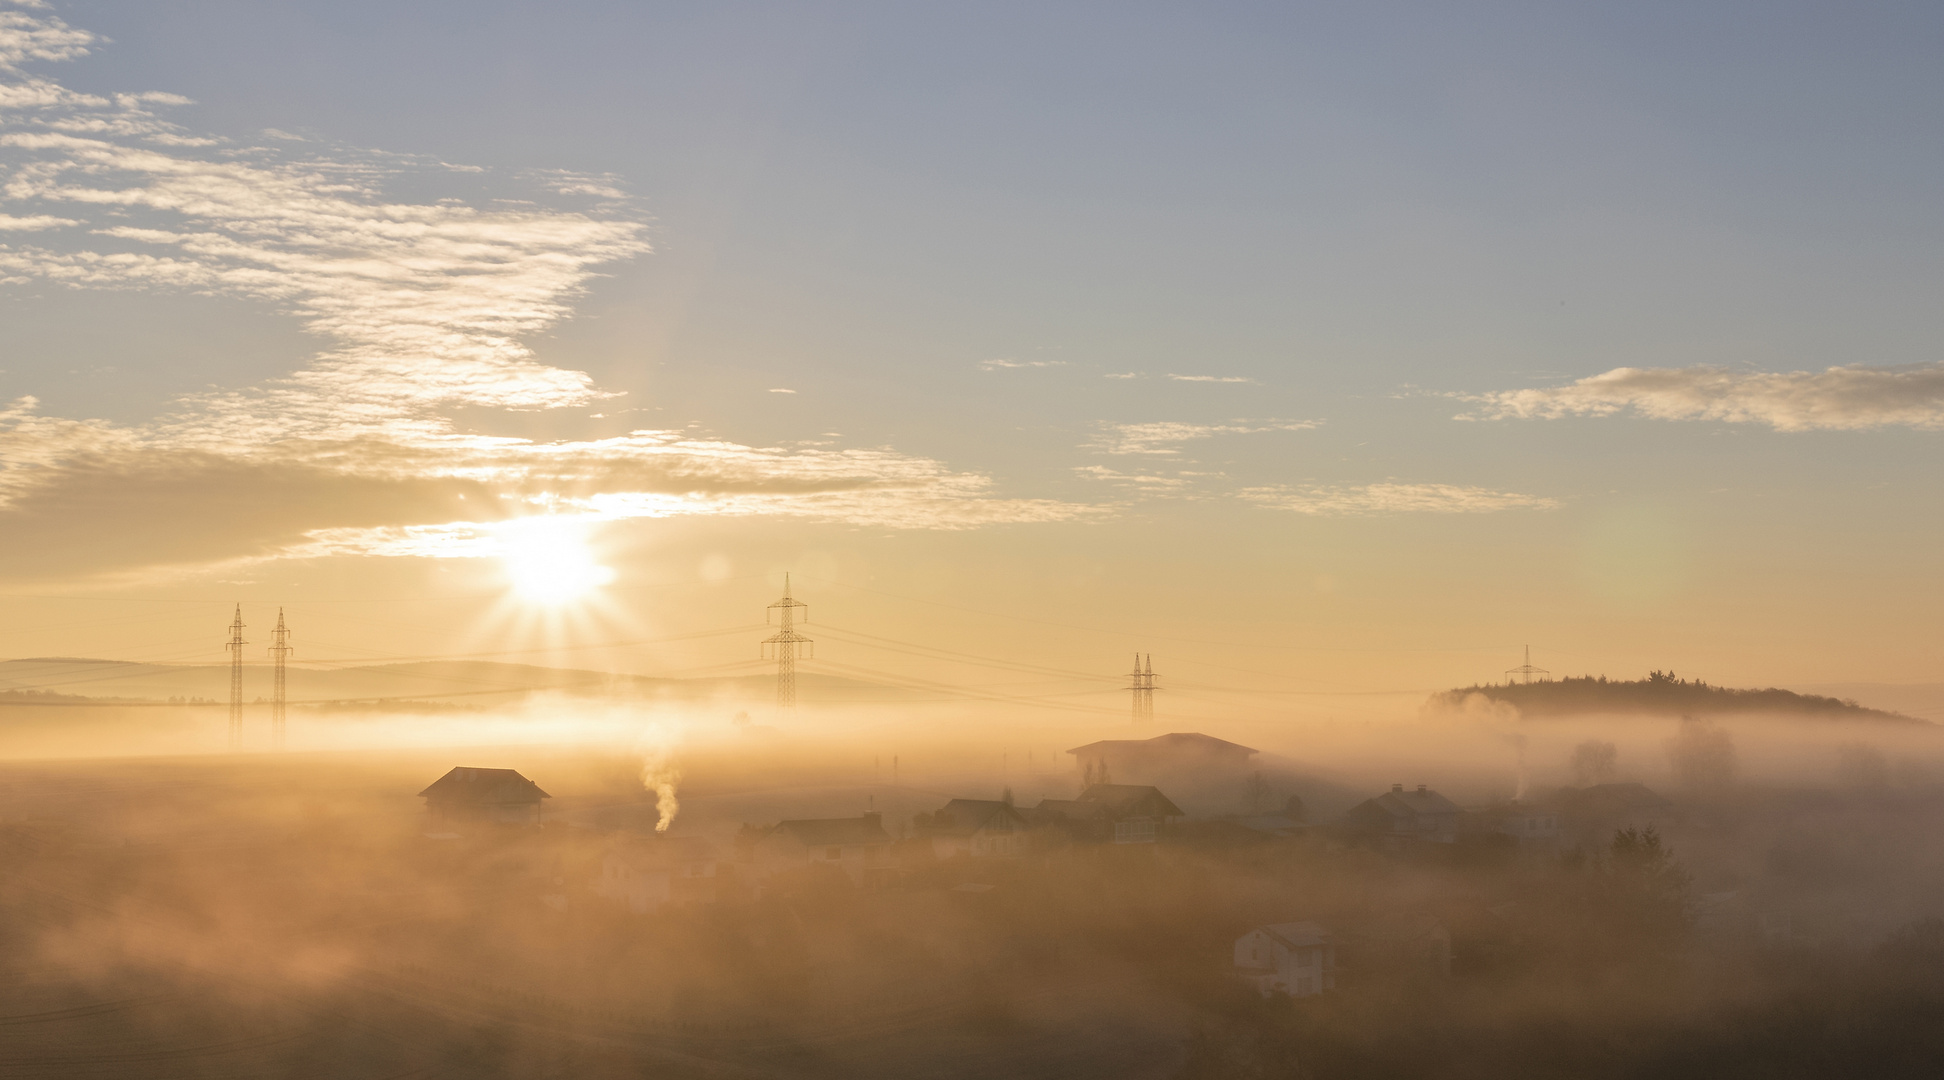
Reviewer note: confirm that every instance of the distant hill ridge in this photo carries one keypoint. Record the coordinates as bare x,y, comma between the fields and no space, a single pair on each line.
80,679
1662,694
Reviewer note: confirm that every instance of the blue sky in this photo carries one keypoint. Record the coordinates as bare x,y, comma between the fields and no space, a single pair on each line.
1299,284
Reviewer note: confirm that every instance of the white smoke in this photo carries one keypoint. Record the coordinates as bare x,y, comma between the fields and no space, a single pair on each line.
661,772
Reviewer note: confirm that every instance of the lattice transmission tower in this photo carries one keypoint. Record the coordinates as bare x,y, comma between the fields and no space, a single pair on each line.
280,649
785,643
1143,688
235,647
1526,671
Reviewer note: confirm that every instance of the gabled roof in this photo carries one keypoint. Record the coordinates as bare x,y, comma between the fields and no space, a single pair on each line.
1633,796
963,817
1297,935
1069,809
1131,800
1178,742
823,832
1410,804
470,785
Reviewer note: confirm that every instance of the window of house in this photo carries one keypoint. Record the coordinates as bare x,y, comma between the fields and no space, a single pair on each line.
833,854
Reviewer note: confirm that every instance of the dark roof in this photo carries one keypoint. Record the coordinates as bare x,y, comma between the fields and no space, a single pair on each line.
1131,800
820,832
1409,804
1622,798
1070,809
470,785
1297,935
963,817
1175,741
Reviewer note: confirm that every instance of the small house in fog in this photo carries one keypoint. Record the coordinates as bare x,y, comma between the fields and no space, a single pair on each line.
1398,814
646,873
858,846
981,828
1164,757
1296,958
1532,826
1120,813
471,795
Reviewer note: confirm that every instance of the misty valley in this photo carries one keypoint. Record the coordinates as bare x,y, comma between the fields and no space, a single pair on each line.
1586,895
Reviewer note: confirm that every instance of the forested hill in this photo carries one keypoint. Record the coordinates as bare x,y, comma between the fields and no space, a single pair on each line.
1662,694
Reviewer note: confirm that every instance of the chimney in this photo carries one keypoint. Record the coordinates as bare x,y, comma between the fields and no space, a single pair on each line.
1397,789
1421,789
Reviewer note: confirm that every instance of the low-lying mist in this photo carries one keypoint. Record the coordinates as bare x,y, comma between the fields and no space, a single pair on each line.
170,909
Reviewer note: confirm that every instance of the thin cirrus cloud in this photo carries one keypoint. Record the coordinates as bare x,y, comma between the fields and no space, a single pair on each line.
1393,498
1838,398
1004,364
1165,437
1211,378
423,308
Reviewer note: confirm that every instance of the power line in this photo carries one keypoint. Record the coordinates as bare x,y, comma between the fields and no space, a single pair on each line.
235,647
1143,688
1131,633
1526,671
786,641
280,650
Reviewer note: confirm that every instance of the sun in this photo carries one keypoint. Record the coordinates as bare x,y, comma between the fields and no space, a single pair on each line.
548,562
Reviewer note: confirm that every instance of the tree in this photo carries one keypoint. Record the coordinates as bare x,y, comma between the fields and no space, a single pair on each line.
1702,754
1593,762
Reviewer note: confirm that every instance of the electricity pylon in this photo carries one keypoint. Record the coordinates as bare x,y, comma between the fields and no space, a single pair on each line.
1525,671
786,640
280,649
235,647
1143,688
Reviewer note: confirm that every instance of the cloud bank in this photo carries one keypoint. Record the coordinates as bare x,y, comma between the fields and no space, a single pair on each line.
423,308
1839,398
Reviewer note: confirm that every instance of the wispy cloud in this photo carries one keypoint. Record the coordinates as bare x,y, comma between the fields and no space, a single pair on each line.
423,308
1165,437
1211,378
780,390
25,37
1838,398
1146,482
1394,498
1003,364
35,223
1122,375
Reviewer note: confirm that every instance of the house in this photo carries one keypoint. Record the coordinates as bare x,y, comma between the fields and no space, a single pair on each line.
1405,815
648,872
1172,757
1123,813
975,827
858,846
1294,958
1532,826
467,795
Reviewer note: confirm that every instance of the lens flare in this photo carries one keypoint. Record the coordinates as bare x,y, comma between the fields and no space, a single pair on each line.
548,562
